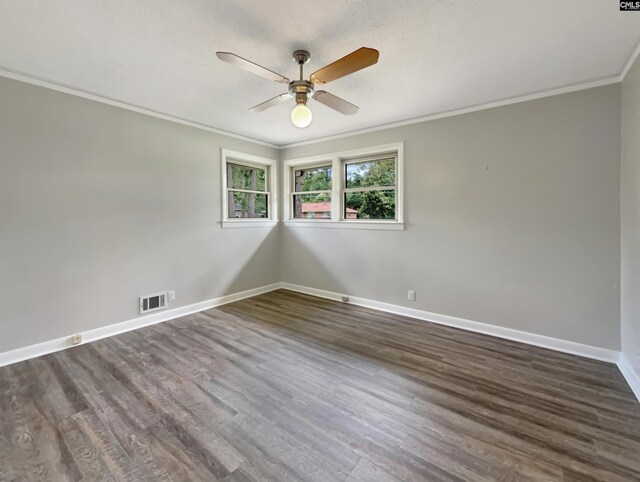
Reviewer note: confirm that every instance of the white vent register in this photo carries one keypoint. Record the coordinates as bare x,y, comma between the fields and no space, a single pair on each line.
153,302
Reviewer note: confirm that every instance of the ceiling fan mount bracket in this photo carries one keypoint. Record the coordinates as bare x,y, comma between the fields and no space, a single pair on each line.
301,57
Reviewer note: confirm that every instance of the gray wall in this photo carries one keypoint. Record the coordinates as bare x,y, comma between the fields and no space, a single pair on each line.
630,215
513,219
99,205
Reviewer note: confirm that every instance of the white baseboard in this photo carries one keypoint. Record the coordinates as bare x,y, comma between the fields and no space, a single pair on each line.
556,344
632,377
46,347
39,349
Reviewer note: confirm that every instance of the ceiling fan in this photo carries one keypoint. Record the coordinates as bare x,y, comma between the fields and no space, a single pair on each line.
302,90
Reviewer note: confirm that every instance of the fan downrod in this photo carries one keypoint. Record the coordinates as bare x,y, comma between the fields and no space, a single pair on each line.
301,89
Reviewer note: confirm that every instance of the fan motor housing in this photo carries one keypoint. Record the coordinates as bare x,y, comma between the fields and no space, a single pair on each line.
303,87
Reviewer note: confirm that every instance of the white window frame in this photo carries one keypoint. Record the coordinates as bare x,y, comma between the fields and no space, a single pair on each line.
228,156
338,161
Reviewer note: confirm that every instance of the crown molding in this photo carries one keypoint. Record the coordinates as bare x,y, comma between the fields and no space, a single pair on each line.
85,94
630,62
464,110
489,105
67,89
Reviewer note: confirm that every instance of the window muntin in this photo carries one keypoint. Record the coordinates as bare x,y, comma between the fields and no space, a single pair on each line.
370,189
311,194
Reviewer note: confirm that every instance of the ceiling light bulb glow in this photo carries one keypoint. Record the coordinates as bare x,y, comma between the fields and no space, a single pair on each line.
301,116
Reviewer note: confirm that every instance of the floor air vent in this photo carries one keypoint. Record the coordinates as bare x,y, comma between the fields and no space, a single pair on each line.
153,302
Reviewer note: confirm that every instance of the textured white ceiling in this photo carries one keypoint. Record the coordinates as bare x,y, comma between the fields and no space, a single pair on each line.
435,55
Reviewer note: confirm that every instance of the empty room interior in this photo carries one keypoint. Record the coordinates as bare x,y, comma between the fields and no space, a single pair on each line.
340,240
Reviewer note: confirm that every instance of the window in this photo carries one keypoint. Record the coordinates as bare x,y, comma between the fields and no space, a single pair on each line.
370,189
312,192
361,188
247,196
248,190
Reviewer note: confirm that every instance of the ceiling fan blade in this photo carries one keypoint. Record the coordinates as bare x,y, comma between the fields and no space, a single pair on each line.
278,99
356,60
251,67
336,103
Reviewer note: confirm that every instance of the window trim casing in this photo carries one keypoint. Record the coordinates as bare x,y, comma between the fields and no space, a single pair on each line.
337,160
228,156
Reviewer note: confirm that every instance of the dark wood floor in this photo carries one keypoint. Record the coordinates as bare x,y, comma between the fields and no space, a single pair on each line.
290,387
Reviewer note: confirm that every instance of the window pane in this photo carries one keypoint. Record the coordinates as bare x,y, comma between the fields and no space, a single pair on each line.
246,177
312,179
370,205
371,173
247,205
312,206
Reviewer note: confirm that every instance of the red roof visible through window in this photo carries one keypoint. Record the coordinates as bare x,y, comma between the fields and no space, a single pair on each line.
324,207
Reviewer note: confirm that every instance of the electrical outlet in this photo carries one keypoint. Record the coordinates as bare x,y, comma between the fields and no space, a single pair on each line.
171,295
411,295
76,339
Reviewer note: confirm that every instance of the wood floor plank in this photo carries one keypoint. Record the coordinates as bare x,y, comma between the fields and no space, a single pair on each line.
286,386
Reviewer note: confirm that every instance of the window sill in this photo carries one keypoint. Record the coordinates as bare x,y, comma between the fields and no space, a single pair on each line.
324,224
249,223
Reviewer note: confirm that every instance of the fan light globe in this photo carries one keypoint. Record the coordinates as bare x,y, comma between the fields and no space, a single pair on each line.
301,116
